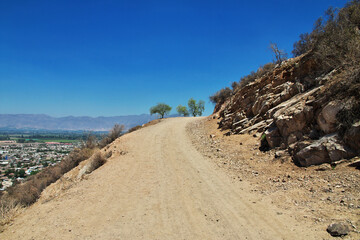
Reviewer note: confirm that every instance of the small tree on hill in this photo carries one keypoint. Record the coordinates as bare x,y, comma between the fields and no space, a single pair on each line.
182,110
161,108
196,109
280,55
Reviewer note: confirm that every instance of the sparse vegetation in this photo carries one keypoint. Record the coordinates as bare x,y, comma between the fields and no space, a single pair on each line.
335,39
9,209
220,96
280,55
28,192
96,161
161,108
25,194
114,133
133,129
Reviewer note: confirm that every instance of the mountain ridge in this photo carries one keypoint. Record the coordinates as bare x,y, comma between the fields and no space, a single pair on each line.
47,122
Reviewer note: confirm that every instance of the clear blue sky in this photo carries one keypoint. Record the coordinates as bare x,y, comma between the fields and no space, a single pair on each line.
109,58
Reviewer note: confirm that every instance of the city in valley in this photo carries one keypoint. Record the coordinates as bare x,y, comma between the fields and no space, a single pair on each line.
20,160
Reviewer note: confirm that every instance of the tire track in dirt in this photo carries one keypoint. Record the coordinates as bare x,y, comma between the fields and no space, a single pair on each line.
163,188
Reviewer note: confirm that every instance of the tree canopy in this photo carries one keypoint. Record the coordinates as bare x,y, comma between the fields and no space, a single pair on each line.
161,108
196,108
182,110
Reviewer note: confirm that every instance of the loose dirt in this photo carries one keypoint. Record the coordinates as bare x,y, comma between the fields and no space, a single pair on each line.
161,183
319,195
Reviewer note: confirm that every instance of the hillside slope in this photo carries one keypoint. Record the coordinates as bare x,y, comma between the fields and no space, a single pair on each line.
296,107
156,185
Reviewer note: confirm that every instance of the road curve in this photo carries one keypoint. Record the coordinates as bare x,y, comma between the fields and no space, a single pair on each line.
162,188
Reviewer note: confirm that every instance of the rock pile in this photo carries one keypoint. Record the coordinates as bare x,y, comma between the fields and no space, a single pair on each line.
290,107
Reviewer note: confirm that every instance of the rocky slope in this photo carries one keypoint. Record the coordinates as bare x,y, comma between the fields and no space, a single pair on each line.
298,108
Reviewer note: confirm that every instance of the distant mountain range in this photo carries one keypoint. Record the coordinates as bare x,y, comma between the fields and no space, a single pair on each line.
46,122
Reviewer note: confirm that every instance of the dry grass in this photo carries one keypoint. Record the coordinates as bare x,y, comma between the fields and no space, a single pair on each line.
9,209
133,129
114,133
96,161
22,195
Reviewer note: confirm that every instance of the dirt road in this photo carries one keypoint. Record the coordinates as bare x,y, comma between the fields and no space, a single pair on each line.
161,188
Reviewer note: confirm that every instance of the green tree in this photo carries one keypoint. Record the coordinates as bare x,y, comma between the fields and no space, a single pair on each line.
201,107
161,108
196,109
182,110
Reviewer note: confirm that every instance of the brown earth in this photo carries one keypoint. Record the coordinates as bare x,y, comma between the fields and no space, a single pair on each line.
164,182
316,195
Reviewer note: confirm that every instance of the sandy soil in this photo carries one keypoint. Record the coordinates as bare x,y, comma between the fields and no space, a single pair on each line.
157,185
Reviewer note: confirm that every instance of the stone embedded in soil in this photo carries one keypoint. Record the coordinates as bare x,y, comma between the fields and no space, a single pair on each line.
338,229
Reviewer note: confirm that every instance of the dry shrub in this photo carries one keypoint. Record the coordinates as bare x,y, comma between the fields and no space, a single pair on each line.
27,193
96,161
74,158
133,129
91,141
9,209
114,133
220,96
108,154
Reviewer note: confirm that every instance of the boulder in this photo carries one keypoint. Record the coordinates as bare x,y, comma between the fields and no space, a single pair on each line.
273,137
352,137
338,229
314,154
293,119
328,149
327,117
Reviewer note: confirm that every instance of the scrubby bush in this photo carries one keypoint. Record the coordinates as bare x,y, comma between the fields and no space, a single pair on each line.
28,192
8,210
114,133
96,161
220,96
134,128
302,46
280,55
108,154
91,141
262,70
335,39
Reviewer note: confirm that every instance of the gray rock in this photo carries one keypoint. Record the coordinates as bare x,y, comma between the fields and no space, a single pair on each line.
327,117
273,137
338,229
293,119
352,137
314,154
326,150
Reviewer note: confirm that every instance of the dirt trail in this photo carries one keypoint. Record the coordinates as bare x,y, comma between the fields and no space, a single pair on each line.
162,188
